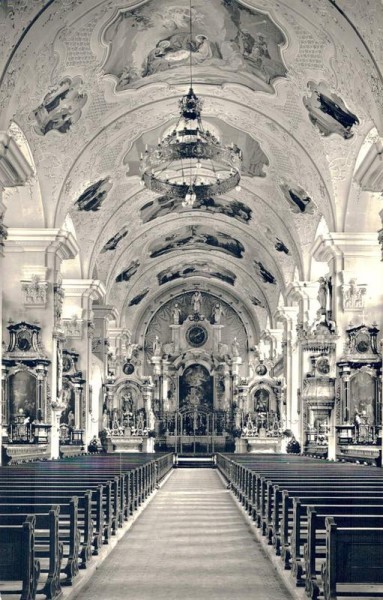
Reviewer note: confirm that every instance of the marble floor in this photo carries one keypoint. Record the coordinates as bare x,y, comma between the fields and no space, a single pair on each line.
190,543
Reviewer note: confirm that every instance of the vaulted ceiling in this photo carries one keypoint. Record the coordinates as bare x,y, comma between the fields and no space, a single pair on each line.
297,85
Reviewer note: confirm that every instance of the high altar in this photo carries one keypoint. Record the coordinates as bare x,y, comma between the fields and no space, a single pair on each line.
193,382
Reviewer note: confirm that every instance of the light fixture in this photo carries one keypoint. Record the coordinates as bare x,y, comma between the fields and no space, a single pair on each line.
190,163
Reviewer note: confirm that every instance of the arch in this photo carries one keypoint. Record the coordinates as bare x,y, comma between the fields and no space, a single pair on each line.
25,205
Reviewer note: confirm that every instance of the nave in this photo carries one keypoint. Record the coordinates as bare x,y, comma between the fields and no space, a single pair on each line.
191,542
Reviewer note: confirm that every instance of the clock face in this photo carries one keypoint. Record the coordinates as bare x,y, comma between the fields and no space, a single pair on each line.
323,366
362,343
196,336
128,368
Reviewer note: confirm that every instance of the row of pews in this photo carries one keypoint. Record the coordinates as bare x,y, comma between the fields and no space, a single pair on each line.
324,519
56,515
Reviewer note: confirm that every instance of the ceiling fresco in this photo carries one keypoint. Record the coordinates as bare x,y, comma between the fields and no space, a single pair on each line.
198,269
229,42
197,237
86,85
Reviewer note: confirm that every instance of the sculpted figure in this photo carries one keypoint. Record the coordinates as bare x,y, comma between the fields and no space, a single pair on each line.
322,294
217,313
156,346
176,313
197,302
235,347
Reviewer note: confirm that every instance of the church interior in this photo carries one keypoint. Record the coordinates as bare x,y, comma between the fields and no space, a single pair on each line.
191,230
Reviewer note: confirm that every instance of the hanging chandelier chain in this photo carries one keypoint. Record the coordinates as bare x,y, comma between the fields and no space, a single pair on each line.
179,154
190,45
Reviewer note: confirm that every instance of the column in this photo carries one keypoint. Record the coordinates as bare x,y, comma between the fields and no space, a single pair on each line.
102,316
79,331
288,315
14,171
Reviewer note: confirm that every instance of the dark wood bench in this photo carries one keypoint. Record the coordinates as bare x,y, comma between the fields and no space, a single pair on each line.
328,496
19,568
48,549
278,495
353,563
69,532
84,520
309,529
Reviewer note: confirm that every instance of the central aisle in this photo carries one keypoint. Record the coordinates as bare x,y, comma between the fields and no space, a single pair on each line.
190,543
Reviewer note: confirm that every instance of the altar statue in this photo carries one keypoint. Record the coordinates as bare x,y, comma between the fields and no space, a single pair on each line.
322,294
197,302
217,314
176,313
156,346
235,347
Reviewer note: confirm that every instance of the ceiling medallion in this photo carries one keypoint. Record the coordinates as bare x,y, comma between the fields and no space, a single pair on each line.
190,163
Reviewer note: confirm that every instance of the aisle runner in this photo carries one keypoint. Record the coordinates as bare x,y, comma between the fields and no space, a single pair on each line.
190,543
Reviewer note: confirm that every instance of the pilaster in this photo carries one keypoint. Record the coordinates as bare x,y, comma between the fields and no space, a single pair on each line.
354,260
289,316
79,329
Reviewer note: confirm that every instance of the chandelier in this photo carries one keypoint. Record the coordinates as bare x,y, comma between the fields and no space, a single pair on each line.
190,163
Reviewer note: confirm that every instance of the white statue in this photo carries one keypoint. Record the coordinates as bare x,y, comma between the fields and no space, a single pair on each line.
217,313
176,313
151,419
197,302
156,346
235,347
322,294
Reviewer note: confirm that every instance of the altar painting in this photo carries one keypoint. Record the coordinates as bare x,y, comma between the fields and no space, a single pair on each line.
196,388
362,393
69,399
23,394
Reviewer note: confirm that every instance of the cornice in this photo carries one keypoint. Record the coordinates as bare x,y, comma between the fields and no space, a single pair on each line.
345,244
25,239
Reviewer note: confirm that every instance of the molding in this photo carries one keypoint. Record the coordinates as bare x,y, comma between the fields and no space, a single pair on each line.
77,288
107,311
27,239
14,167
341,245
369,174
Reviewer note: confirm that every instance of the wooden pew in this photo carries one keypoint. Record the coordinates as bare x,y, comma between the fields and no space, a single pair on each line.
69,532
345,490
48,549
85,522
309,520
101,508
327,496
17,559
354,558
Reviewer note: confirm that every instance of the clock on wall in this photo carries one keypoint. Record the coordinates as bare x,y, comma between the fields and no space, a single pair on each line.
196,336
